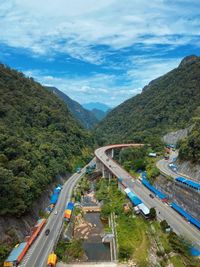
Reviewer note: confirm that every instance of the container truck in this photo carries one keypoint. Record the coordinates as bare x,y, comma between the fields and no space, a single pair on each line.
68,211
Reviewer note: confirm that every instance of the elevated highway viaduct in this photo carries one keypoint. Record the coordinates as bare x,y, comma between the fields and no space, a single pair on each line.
110,168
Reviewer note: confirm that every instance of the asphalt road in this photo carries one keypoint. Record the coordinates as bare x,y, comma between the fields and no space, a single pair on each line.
177,222
43,245
162,165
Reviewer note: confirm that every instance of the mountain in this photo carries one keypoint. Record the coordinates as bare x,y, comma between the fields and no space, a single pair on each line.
166,104
99,114
96,105
39,140
84,116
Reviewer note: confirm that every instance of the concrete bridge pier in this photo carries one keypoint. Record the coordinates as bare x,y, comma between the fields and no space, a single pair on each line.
103,169
110,153
98,165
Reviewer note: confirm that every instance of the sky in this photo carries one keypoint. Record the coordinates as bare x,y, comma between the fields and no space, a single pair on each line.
104,51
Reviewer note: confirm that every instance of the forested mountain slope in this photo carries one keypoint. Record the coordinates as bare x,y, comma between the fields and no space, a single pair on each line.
190,146
39,139
166,104
84,116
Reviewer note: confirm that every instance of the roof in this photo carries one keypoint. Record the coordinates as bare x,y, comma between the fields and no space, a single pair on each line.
188,182
152,188
134,199
194,252
15,253
143,208
127,190
152,154
186,215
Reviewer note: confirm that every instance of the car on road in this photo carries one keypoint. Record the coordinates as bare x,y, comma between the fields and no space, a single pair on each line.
47,232
56,212
78,170
151,195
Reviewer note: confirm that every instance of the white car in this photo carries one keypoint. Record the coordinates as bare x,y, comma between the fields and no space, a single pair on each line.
56,212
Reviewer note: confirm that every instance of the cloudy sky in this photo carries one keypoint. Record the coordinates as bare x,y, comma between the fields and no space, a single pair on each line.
103,50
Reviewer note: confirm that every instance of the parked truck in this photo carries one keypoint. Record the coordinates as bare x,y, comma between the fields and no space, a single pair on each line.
68,211
52,259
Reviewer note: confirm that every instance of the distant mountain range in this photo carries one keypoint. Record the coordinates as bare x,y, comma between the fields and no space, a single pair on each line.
99,114
96,105
86,118
99,110
168,103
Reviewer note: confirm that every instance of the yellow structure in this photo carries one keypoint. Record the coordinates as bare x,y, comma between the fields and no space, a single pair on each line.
52,260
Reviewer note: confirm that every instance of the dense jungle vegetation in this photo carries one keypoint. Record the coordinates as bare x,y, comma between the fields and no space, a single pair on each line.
39,139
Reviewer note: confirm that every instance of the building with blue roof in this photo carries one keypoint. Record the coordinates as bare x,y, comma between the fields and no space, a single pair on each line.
185,214
189,183
133,198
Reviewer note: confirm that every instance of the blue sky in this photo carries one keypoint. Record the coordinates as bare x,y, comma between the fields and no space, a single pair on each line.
104,51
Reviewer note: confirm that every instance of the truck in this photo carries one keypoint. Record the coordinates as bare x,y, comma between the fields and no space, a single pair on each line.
68,211
52,259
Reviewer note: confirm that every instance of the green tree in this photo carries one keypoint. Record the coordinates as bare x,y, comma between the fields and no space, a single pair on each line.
152,214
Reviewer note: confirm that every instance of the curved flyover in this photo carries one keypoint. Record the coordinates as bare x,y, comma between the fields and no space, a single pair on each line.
177,222
102,155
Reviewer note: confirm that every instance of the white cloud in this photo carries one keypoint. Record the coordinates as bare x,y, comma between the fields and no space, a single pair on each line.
76,26
101,87
149,68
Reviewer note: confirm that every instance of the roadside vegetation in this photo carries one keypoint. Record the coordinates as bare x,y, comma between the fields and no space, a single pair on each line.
80,188
144,242
71,251
135,160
